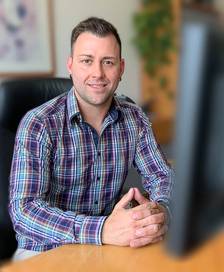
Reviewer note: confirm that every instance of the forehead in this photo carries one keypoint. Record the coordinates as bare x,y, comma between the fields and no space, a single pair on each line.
88,43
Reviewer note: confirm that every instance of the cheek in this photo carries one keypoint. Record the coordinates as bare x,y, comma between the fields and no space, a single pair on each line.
115,78
78,81
114,75
78,74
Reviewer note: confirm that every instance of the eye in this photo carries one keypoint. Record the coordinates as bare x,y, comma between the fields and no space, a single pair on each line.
108,62
86,61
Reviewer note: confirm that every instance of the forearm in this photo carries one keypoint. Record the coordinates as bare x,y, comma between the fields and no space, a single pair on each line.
159,185
36,220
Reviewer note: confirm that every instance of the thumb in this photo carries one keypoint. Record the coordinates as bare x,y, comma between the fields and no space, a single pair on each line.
125,199
139,197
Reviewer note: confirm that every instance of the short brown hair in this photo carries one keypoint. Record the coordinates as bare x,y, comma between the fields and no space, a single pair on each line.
96,26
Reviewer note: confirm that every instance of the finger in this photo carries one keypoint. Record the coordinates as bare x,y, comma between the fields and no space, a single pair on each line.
153,231
158,218
157,239
139,197
147,231
140,242
125,199
142,211
147,205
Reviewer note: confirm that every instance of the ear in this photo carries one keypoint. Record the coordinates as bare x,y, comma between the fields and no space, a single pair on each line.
122,67
69,64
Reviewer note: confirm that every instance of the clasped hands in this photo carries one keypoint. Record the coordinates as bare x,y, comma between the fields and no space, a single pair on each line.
135,227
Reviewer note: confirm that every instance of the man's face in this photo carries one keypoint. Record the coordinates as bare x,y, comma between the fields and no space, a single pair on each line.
96,68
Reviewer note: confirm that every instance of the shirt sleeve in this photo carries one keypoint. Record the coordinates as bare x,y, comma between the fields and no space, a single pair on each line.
157,175
30,183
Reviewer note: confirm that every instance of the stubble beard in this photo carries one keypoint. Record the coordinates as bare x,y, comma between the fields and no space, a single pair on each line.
95,101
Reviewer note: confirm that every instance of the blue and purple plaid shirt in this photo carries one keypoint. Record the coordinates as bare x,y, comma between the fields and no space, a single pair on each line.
65,179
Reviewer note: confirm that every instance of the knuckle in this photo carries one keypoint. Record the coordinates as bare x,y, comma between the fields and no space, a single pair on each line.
153,220
141,214
163,216
155,211
132,213
157,218
156,228
133,236
151,230
133,224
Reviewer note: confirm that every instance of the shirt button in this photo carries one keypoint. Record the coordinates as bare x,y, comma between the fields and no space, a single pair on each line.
98,178
98,153
96,202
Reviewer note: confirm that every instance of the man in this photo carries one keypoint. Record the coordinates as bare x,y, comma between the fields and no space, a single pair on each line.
72,155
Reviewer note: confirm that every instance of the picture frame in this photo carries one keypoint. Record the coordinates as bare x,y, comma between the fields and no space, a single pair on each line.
26,44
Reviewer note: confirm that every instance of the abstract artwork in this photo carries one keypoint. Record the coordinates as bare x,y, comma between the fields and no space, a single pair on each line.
25,43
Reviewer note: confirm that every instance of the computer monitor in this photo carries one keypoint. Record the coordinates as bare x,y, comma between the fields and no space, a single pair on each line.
198,196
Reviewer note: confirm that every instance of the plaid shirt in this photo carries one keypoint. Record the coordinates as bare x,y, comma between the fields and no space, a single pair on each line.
65,179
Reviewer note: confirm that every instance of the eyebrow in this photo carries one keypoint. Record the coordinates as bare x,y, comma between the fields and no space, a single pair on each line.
85,55
90,56
109,57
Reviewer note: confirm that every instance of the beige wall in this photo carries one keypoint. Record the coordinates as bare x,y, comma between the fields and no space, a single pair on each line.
67,13
219,5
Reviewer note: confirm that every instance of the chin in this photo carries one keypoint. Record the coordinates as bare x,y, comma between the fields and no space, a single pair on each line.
101,101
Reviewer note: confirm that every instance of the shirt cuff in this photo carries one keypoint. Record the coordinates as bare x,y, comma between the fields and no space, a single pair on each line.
91,230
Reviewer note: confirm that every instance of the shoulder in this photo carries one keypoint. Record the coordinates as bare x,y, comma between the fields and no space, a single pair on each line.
131,111
42,114
52,107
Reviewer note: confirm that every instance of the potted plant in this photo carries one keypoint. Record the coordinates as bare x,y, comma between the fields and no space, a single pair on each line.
155,37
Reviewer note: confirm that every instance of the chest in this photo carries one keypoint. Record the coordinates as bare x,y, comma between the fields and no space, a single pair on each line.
77,152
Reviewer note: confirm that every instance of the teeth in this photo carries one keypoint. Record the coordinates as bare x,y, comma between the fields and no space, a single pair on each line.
97,85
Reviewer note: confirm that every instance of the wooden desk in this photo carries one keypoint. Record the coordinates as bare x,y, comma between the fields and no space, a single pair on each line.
208,258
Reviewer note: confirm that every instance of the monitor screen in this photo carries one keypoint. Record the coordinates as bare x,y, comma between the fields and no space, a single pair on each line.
198,197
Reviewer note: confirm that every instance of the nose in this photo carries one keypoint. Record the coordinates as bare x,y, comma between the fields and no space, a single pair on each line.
97,70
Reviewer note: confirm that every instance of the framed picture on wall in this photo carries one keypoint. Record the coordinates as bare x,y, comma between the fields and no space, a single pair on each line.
26,47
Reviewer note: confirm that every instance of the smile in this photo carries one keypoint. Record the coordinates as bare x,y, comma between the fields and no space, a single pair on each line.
97,86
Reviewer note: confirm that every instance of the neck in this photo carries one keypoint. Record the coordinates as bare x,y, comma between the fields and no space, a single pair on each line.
94,114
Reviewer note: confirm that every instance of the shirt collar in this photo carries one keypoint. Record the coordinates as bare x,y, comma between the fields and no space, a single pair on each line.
72,106
114,112
117,106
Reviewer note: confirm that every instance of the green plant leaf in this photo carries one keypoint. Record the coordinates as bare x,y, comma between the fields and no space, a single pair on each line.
155,35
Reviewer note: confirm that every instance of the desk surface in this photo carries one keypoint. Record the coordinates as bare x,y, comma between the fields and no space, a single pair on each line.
208,258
